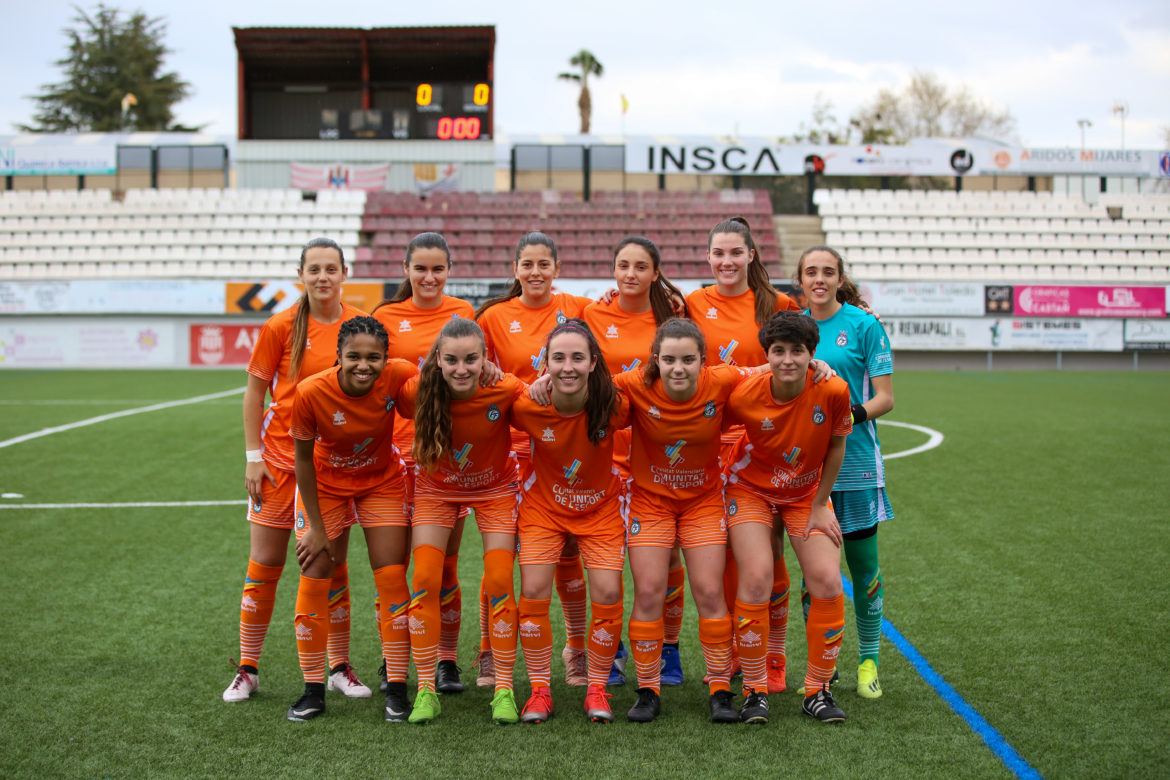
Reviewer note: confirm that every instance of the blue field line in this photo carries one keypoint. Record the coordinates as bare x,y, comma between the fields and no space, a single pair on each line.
985,730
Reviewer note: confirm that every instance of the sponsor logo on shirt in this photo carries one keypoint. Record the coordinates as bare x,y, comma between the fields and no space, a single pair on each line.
548,435
404,326
637,362
338,418
842,339
538,359
709,409
726,351
493,413
673,450
514,327
571,472
712,314
792,457
612,332
818,415
462,456
766,424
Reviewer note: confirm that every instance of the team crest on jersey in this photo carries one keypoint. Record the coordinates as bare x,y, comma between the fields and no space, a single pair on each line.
818,415
493,413
709,409
602,432
300,521
561,318
732,508
842,339
389,403
635,527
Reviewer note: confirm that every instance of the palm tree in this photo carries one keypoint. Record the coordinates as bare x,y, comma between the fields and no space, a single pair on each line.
589,66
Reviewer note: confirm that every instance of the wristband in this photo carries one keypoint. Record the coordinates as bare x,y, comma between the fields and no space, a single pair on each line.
253,456
859,414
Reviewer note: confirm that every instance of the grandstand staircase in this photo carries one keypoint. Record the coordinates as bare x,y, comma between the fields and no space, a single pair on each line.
794,234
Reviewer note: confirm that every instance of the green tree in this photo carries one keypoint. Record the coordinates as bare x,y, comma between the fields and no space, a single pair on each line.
110,57
928,108
588,65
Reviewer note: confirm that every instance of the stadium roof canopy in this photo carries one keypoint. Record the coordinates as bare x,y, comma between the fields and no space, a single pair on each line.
295,48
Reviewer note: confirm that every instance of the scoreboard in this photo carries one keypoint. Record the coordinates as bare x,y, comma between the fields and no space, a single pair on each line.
444,111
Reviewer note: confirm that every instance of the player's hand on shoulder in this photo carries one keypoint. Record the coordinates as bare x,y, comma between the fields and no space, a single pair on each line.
540,391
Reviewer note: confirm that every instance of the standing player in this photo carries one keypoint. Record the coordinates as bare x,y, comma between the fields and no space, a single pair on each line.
573,489
625,327
413,317
516,327
784,468
283,355
462,451
729,313
677,407
347,469
856,345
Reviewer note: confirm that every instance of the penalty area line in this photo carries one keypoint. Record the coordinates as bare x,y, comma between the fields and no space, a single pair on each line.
115,415
992,738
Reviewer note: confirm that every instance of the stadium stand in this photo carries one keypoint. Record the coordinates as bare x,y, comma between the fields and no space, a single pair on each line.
912,235
482,228
151,234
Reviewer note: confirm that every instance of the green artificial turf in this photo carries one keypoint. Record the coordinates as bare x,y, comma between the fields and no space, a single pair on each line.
1024,563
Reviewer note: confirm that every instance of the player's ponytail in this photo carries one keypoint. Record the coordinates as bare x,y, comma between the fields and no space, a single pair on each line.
675,328
432,408
531,238
757,275
300,324
601,397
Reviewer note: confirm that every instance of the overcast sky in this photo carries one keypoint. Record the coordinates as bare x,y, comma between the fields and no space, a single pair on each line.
747,68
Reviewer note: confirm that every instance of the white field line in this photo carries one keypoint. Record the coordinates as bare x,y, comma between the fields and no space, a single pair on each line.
77,402
126,505
935,439
115,415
